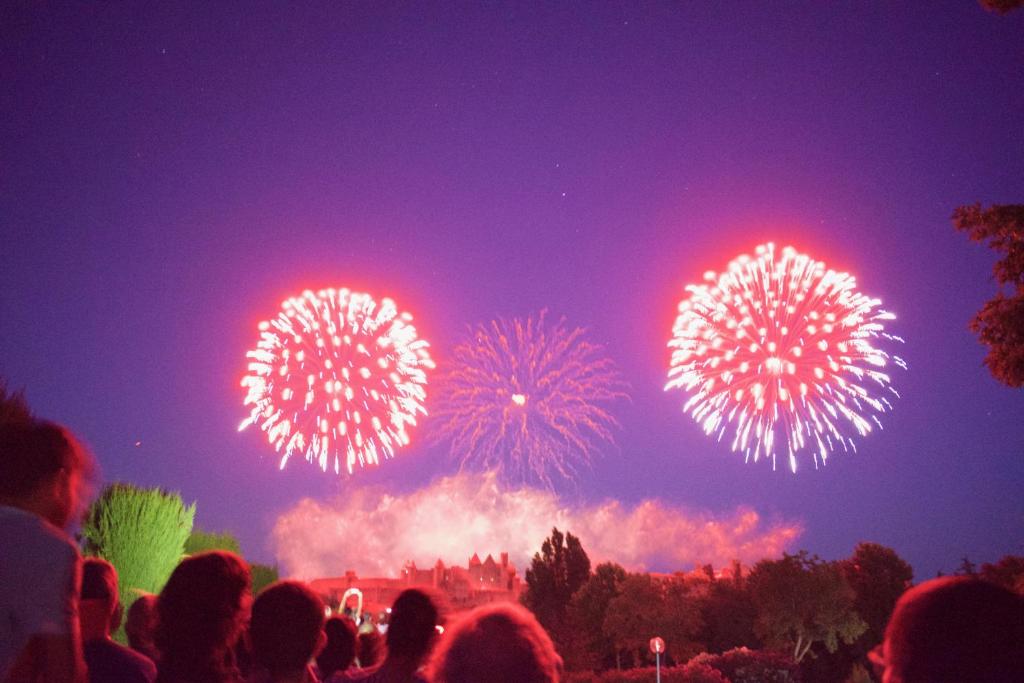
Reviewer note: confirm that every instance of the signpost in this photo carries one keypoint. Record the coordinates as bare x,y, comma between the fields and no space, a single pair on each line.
657,647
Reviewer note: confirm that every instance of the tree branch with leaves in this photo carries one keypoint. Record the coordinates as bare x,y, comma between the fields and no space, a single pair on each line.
803,600
1000,322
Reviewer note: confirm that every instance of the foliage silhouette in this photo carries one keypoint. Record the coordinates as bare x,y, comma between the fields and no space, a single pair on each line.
1000,322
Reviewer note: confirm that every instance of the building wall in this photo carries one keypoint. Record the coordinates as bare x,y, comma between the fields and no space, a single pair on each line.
463,588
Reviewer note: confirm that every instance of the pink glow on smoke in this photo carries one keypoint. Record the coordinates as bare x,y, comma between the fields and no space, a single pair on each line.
375,533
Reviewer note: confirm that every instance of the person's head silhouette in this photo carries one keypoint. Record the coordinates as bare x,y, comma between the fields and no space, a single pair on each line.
501,643
955,630
286,629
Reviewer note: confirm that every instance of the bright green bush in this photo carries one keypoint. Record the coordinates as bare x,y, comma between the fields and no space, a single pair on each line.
142,532
200,541
262,576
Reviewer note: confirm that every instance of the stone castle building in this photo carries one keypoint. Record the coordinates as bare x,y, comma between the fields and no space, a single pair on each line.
478,583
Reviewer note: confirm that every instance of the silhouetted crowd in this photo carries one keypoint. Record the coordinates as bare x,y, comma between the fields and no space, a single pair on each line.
57,612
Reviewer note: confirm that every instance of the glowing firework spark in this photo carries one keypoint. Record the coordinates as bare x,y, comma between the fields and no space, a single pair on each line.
527,399
337,376
782,343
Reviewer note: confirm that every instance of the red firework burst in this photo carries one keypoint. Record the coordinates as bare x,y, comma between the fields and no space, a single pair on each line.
782,344
337,376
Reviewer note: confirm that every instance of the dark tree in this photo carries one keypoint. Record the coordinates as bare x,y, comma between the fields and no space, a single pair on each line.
878,577
1000,322
577,564
729,614
1007,572
555,574
648,606
13,407
683,623
802,600
1001,6
967,568
636,615
587,613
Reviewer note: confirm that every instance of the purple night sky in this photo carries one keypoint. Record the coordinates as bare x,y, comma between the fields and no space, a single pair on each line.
169,172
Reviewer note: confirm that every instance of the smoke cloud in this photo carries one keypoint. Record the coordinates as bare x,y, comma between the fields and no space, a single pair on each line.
375,533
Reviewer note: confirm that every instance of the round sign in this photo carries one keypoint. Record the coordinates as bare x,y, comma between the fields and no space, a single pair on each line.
657,645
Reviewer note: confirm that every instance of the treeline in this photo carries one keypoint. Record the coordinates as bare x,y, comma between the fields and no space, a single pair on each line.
823,617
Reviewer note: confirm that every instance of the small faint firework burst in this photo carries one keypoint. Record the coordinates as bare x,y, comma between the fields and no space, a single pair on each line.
779,345
527,399
337,377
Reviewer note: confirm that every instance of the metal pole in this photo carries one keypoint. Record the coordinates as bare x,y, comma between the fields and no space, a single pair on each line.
657,662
